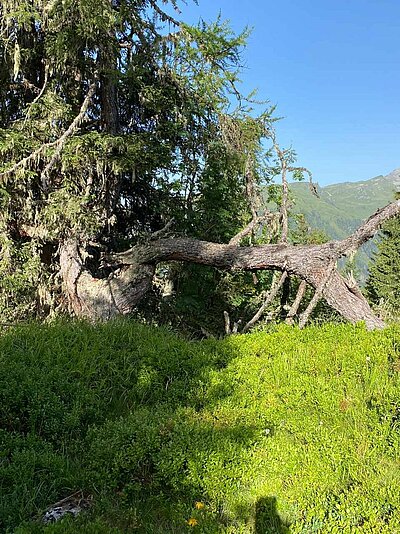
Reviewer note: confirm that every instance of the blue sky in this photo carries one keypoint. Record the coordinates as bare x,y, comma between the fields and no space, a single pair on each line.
333,69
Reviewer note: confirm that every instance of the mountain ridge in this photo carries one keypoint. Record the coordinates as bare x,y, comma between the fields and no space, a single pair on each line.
342,207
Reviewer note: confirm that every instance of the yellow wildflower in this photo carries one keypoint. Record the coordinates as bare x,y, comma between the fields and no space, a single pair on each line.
199,505
192,522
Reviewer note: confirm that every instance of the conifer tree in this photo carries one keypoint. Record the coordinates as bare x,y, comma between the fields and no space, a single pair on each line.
114,119
118,123
383,284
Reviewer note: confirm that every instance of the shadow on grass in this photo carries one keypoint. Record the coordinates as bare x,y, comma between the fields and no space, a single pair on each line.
122,412
267,520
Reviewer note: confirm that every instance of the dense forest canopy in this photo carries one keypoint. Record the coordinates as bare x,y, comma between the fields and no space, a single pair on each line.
115,119
120,125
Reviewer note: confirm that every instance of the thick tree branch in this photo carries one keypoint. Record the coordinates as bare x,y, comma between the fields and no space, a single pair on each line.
308,262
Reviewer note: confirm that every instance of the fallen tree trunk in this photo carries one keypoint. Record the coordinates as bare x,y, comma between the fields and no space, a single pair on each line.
101,299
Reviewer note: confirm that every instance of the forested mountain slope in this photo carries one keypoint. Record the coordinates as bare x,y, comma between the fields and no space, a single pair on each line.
340,208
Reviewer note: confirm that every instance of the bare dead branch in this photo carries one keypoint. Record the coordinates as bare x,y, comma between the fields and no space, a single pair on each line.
313,187
163,16
296,303
163,231
58,144
251,188
269,298
284,205
227,321
251,227
236,325
24,162
368,229
42,90
317,295
284,169
285,188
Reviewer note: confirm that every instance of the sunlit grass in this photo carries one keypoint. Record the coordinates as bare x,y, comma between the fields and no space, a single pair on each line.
287,431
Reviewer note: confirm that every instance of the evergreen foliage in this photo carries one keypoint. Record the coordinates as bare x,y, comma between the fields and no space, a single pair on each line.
126,119
383,284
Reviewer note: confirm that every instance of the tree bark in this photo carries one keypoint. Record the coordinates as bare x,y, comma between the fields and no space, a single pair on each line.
118,294
296,303
101,299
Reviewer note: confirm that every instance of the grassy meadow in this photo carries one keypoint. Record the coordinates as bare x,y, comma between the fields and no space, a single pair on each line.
284,431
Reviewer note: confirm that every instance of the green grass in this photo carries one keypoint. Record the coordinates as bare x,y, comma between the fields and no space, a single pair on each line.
287,431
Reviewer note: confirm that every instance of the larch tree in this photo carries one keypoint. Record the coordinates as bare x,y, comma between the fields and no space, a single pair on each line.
120,149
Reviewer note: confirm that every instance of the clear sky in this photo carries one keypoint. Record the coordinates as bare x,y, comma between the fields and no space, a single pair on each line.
333,69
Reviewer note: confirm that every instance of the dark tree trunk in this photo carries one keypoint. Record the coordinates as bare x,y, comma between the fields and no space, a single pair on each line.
285,297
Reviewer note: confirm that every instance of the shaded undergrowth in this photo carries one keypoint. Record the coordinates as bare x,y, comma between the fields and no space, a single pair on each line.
284,432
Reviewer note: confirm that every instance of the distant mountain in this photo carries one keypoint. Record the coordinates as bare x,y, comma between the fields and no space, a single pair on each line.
341,208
